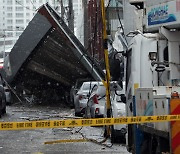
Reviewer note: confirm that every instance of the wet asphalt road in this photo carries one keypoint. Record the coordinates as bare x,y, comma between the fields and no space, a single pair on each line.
32,141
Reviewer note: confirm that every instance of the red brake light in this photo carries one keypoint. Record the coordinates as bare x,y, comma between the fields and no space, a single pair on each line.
95,99
97,110
80,97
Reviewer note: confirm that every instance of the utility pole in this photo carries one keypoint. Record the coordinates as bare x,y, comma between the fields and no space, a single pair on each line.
108,77
62,9
71,16
54,4
84,2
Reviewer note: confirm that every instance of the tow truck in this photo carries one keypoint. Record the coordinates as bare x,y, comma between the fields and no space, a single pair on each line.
153,77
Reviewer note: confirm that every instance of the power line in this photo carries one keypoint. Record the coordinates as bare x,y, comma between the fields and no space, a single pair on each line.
33,4
24,6
117,11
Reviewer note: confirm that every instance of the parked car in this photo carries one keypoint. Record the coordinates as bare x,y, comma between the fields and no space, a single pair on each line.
118,132
8,95
96,103
2,97
75,88
81,98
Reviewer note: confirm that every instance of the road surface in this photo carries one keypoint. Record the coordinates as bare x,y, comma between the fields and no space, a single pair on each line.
33,141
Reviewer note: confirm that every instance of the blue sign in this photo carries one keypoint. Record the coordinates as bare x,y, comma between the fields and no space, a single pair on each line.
160,15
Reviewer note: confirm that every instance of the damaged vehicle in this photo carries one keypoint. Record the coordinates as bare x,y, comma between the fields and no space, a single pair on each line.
82,97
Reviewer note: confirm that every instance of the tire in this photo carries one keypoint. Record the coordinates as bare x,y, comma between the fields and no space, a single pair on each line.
4,110
113,135
77,114
146,149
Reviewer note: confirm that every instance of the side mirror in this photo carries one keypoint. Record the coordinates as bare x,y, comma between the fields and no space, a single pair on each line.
76,90
123,98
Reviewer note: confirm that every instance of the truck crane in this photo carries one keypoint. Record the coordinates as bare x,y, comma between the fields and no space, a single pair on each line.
153,77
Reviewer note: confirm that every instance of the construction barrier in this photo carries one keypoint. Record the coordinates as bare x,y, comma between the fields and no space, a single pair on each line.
85,122
175,126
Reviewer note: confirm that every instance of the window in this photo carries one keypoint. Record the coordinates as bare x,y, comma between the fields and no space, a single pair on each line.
9,27
1,43
101,91
21,1
19,21
19,8
27,21
9,14
9,1
9,21
9,34
18,33
9,8
19,15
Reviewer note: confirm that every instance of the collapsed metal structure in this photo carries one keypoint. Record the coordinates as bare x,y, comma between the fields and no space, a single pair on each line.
48,56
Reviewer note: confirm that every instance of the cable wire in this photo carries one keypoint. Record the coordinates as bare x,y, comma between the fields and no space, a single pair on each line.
24,6
120,20
33,4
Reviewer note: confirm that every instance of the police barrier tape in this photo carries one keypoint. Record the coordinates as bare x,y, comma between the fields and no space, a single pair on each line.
85,122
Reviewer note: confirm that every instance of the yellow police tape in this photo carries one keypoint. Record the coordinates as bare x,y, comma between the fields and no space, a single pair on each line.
85,122
66,141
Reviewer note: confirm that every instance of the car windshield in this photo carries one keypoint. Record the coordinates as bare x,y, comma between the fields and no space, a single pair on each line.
101,90
88,86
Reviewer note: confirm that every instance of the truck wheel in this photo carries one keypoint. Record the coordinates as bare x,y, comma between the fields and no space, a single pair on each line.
113,135
145,148
4,110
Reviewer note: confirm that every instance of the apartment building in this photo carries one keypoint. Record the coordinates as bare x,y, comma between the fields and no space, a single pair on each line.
14,17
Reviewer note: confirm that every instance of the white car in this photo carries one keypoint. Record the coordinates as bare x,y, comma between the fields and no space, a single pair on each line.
118,132
96,103
81,98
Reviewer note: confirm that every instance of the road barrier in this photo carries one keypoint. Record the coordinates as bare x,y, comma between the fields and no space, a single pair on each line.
85,122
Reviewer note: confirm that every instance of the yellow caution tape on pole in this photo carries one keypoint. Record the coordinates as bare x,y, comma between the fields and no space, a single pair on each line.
85,122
